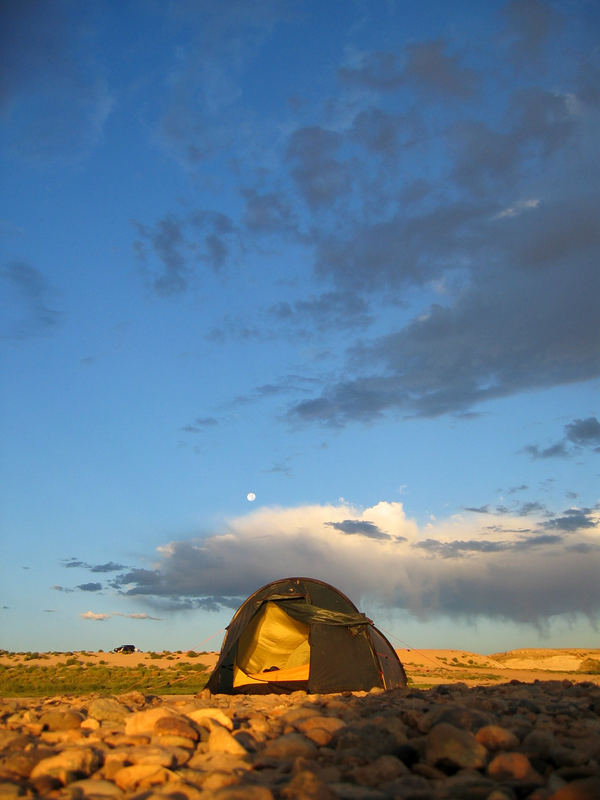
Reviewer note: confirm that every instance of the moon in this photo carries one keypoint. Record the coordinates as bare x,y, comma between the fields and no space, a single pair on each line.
251,497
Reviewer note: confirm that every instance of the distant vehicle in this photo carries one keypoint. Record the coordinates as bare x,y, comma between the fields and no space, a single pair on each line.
125,648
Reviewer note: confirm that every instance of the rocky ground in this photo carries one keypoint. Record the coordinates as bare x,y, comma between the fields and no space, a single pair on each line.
506,742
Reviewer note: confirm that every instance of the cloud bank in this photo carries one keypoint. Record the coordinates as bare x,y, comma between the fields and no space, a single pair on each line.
497,565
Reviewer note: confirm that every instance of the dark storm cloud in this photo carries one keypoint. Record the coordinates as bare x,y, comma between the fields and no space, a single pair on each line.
494,214
579,433
358,527
573,519
51,90
498,338
89,587
27,310
584,432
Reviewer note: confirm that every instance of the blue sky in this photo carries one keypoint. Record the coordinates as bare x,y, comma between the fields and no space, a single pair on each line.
340,255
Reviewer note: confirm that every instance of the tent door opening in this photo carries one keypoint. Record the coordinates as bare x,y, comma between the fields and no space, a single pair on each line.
274,647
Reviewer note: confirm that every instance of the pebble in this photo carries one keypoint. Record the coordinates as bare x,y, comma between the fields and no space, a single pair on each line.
515,741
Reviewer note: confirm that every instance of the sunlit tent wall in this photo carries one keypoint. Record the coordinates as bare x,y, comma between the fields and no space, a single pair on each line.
302,633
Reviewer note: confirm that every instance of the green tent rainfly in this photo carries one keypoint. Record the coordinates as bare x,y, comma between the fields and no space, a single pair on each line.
302,633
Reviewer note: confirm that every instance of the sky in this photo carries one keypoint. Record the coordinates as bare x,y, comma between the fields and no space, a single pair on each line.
299,288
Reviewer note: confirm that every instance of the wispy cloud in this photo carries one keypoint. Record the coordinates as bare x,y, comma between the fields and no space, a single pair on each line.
26,299
94,616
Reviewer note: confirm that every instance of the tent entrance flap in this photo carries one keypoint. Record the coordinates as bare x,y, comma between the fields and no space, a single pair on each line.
272,643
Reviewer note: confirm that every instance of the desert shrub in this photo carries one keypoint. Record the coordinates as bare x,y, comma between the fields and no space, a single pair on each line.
31,656
591,666
192,654
71,662
154,655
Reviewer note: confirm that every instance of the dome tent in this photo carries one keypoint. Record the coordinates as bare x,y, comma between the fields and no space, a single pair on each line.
302,633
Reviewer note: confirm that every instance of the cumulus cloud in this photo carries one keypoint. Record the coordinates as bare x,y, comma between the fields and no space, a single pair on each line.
451,567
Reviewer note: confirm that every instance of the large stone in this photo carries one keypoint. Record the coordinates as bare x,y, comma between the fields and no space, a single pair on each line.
177,727
143,776
583,789
290,745
383,770
319,729
94,787
305,785
144,721
56,720
221,741
460,716
365,741
69,765
513,766
239,793
494,737
107,708
453,748
204,715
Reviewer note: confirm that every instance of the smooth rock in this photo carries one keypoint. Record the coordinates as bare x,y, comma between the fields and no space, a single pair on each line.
221,741
583,789
513,766
61,720
455,748
94,787
200,715
143,776
239,793
69,764
144,721
305,785
493,738
107,708
290,745
172,726
383,770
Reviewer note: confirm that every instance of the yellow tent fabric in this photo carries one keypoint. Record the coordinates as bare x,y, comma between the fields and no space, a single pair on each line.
273,639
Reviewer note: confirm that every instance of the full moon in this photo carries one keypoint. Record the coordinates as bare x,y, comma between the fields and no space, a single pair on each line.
251,497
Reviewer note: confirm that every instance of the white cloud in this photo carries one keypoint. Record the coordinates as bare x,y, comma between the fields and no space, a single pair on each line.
495,564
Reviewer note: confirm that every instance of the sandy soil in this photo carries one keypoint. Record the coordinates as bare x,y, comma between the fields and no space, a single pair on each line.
423,667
